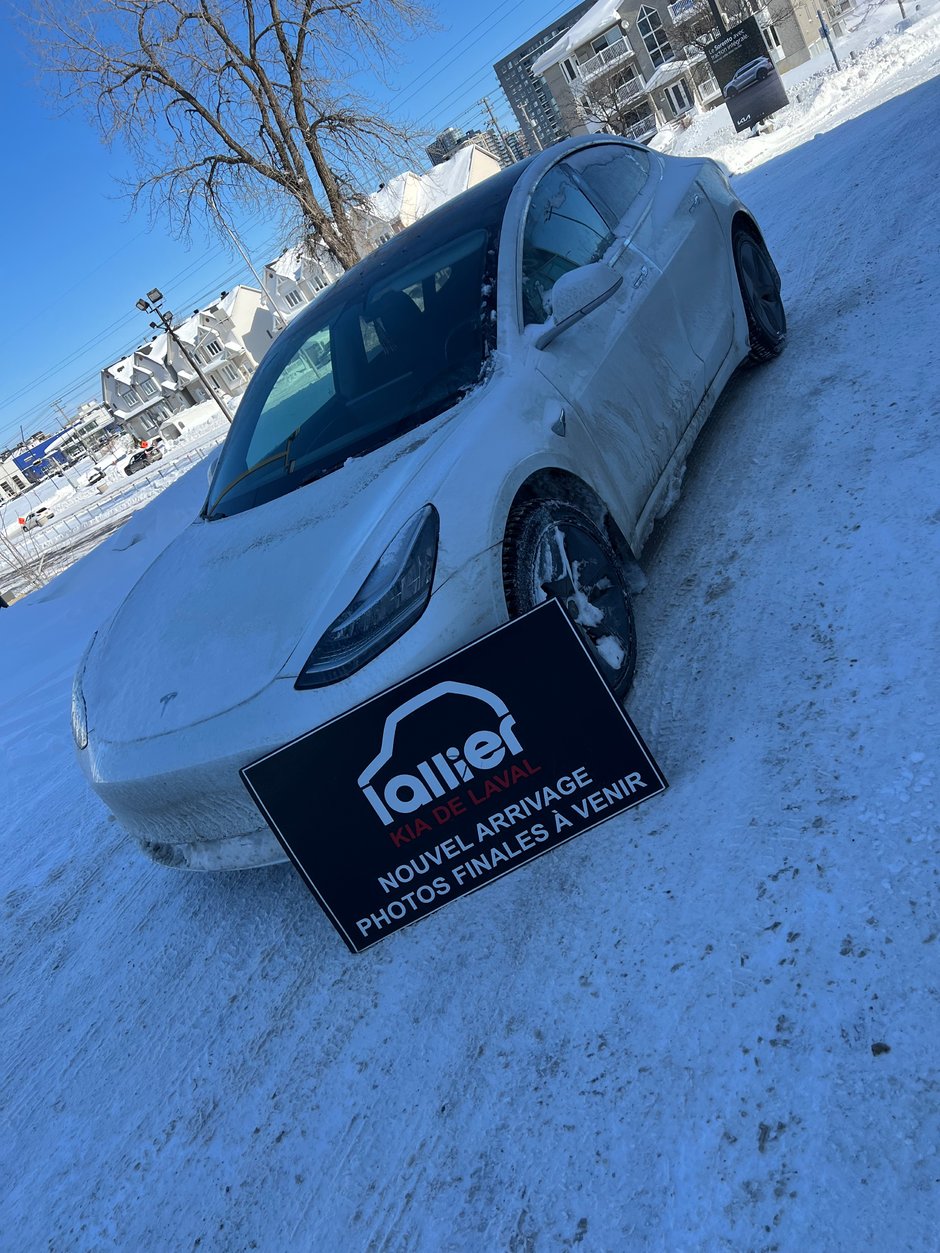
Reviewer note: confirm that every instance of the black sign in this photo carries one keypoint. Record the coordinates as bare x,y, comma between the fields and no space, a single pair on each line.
453,778
747,76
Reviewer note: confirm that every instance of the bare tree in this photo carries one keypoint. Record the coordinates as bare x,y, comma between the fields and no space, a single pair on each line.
235,101
615,100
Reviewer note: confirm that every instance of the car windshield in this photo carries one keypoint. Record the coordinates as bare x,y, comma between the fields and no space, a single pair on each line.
381,351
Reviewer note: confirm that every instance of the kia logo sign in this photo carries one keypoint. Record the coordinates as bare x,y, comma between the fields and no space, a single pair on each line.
453,778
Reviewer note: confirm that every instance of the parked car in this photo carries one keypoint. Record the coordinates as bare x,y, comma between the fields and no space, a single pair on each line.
39,517
745,75
143,458
95,477
488,411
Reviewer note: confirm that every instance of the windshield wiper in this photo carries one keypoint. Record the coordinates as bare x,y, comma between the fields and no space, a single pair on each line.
259,465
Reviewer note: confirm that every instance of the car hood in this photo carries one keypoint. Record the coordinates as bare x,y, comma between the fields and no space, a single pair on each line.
220,613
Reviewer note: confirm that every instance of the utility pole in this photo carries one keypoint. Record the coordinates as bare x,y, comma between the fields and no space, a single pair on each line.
151,304
716,14
824,31
539,146
279,319
499,130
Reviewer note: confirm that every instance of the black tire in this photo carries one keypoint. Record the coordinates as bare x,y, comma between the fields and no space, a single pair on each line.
542,538
761,75
760,291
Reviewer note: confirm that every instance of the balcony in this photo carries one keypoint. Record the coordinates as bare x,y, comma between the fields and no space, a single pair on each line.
630,91
612,55
683,9
641,131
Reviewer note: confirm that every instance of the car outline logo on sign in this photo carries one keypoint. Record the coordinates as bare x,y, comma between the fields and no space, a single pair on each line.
444,771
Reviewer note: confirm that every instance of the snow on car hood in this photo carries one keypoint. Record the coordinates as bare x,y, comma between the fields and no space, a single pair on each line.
217,615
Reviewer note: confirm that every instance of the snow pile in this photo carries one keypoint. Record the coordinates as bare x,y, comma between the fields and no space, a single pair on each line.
597,19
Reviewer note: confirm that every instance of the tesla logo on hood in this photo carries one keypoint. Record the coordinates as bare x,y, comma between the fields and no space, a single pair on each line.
439,772
165,700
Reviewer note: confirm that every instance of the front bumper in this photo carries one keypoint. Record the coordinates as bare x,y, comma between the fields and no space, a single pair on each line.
180,795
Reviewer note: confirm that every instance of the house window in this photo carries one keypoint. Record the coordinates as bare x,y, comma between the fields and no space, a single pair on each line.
148,387
18,482
128,397
679,97
609,37
230,372
650,26
293,297
771,38
569,70
211,348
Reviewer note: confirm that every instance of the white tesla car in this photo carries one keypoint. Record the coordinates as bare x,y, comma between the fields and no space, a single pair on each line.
489,410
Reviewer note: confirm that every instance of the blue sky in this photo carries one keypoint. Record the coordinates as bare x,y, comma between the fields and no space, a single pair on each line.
76,260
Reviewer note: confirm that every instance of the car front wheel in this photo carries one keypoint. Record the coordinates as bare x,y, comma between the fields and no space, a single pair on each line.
553,548
760,292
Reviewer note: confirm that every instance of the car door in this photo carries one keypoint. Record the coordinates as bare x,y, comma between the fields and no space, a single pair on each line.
616,365
683,238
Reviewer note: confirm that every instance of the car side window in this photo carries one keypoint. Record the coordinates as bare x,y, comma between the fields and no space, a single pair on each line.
563,230
614,175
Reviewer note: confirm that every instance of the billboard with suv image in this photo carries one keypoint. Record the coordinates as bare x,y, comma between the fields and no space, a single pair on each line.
748,78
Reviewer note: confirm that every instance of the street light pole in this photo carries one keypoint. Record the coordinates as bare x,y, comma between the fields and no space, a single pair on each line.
151,304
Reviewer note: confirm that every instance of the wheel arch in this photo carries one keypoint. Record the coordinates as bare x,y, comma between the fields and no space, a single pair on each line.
554,483
742,221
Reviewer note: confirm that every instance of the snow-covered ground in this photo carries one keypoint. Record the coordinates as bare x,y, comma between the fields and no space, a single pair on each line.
709,1024
85,513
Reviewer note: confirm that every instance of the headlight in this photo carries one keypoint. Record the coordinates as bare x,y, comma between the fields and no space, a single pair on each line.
392,599
79,712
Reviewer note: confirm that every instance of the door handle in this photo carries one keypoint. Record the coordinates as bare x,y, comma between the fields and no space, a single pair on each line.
695,202
642,276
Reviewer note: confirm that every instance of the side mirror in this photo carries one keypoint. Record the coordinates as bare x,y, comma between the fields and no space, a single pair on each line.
575,295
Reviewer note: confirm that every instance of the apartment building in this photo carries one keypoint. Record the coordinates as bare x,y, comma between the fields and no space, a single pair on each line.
531,101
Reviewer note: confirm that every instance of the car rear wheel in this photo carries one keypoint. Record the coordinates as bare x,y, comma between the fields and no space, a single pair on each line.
760,291
553,548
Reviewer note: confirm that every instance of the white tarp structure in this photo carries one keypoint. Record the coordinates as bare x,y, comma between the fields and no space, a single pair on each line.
409,196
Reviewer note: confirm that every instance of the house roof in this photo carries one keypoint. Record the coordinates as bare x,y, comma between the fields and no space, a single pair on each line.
122,370
156,349
410,196
287,265
597,19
